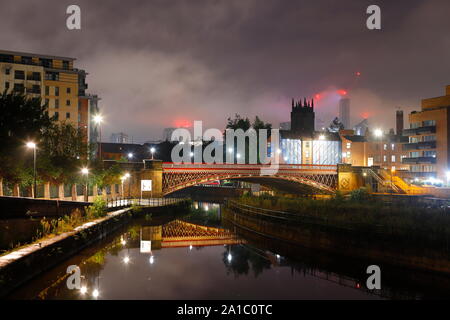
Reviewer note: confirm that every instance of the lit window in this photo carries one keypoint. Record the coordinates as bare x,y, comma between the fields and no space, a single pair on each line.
385,146
393,158
384,158
349,145
392,147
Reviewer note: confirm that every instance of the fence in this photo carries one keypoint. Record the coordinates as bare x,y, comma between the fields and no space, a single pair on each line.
122,202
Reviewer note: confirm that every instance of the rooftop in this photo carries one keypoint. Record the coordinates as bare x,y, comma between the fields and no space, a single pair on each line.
37,55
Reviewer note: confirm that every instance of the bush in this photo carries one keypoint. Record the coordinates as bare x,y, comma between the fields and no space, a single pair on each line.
359,195
97,209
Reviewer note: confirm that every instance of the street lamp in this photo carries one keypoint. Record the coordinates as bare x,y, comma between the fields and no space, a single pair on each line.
85,172
152,150
130,155
98,119
379,133
126,176
32,145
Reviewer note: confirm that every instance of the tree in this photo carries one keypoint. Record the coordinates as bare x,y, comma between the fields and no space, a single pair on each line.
64,152
238,123
21,119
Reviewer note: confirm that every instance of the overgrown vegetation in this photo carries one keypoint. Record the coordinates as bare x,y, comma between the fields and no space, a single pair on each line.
361,212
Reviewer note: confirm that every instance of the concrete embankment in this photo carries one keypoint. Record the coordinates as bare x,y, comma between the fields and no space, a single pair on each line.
23,264
377,250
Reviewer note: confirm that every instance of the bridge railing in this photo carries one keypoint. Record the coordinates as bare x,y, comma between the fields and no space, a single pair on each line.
120,202
170,165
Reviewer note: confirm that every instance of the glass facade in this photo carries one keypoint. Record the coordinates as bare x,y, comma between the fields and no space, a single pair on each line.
323,152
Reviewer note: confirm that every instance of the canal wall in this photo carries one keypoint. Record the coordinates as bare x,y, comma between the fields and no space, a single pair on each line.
23,264
15,207
376,250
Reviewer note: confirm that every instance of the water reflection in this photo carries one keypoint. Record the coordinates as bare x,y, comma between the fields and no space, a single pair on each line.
199,256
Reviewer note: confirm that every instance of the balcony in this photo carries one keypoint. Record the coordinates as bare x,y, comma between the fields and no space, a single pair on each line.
420,130
419,145
419,160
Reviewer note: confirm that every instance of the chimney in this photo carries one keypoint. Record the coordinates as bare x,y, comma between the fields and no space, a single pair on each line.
399,122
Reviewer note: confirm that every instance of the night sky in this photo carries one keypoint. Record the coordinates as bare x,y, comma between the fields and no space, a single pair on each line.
157,64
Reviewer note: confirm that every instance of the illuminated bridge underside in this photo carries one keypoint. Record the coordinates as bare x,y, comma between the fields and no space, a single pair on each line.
183,234
319,177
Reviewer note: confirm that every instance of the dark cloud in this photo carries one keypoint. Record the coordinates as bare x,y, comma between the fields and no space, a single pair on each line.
156,62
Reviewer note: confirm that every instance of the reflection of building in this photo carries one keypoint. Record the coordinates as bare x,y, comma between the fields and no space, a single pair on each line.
428,147
51,78
344,112
302,144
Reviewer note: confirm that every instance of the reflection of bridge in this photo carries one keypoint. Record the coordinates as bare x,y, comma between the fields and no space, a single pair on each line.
178,233
179,176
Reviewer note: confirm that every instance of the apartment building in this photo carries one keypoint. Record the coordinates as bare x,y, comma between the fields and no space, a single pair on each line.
54,80
428,134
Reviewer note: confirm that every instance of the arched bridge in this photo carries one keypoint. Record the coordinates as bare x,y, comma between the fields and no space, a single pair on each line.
178,176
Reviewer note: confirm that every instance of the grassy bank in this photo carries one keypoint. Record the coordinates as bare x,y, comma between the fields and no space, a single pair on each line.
360,212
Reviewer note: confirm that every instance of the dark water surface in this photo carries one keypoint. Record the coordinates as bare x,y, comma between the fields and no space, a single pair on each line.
201,256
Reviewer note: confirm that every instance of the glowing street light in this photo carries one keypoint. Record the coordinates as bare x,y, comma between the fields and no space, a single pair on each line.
130,155
378,132
322,137
32,145
152,151
95,293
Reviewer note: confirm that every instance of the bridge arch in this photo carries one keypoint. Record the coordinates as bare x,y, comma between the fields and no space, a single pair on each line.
176,177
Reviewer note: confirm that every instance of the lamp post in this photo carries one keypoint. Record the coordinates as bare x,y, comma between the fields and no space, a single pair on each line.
152,151
32,145
98,119
379,134
85,172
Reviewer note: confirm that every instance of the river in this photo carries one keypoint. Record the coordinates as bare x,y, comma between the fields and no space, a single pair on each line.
201,256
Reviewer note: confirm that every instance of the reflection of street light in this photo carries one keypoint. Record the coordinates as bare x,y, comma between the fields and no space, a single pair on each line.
32,145
152,260
126,260
85,171
152,150
95,293
229,257
83,290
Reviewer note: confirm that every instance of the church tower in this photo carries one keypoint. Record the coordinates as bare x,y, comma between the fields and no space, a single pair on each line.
302,117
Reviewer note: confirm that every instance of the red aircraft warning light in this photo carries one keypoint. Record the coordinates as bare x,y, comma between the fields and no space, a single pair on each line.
342,92
358,73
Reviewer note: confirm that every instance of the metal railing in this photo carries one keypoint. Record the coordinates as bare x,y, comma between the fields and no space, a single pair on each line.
123,202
